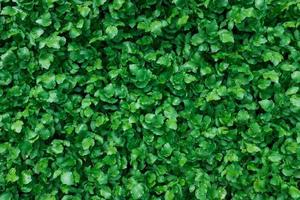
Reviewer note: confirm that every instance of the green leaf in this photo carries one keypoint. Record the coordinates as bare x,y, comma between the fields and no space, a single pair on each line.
213,96
182,20
117,4
26,177
295,100
74,32
292,90
171,123
6,196
251,148
8,57
44,20
17,126
8,10
275,157
84,10
111,31
273,56
166,150
226,36
266,104
259,185
294,192
45,60
287,67
156,27
169,195
67,178
170,112
12,175
5,77
198,38
272,75
48,80
164,60
57,146
259,4
296,76
87,143
55,41
105,192
154,120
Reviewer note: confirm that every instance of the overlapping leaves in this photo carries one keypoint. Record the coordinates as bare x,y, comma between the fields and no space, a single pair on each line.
149,99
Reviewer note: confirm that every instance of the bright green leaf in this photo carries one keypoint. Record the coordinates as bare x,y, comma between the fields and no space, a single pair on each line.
67,178
226,36
17,126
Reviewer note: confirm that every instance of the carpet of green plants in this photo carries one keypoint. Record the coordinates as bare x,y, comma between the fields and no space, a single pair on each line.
149,99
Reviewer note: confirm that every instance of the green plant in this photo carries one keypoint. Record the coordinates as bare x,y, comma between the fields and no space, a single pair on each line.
149,99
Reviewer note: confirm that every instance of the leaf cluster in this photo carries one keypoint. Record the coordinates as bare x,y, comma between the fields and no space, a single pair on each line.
149,99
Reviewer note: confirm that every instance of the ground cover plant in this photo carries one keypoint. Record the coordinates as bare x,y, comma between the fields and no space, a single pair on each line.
149,99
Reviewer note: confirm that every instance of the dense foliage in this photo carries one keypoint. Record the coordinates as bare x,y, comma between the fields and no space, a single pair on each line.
149,99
